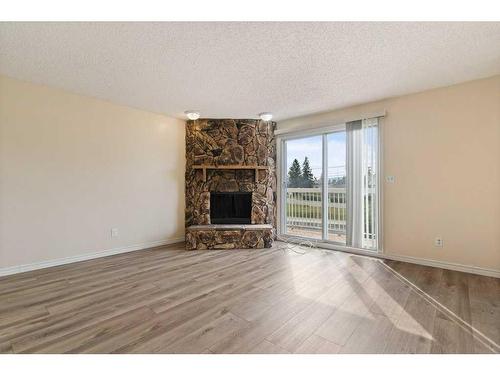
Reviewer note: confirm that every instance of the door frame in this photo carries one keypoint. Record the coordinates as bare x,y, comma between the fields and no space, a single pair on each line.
281,170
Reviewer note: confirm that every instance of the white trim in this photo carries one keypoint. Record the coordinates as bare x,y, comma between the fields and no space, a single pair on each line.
403,258
381,186
280,150
325,125
446,265
311,132
324,188
78,258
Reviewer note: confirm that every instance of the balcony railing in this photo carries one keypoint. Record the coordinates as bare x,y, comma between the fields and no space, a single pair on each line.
304,213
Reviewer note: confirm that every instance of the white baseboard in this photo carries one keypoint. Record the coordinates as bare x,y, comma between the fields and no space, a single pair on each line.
403,258
446,265
78,258
99,254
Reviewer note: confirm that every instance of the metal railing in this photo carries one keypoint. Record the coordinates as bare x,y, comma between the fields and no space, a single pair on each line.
304,208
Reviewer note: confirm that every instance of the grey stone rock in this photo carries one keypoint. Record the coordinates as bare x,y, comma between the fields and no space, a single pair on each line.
227,186
221,246
250,238
237,154
227,236
246,134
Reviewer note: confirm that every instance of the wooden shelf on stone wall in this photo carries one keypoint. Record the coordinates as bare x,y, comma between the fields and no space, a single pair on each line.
204,168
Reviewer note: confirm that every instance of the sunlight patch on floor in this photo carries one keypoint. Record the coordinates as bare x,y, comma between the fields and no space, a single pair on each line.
481,337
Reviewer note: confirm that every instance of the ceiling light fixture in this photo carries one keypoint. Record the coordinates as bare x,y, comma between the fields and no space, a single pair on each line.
266,116
192,115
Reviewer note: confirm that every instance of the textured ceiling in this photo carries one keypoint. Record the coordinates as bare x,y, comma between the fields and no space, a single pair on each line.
240,69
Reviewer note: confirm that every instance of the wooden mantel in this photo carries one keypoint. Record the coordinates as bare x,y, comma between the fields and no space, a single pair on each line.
204,168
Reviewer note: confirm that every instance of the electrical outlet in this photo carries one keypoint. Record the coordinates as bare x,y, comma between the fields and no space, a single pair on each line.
438,242
114,232
390,179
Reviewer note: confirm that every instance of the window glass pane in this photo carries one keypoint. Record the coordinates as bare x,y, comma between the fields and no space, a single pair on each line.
337,211
303,187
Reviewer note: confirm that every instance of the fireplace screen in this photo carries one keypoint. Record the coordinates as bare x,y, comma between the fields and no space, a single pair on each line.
230,208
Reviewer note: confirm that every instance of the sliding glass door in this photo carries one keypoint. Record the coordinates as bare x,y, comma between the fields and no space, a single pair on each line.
330,185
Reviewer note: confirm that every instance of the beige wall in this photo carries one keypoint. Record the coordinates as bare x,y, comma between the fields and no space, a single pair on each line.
443,147
73,167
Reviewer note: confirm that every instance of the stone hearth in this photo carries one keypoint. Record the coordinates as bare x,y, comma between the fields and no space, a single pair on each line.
227,143
232,236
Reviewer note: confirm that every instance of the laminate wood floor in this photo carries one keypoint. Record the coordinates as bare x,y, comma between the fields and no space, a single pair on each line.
167,300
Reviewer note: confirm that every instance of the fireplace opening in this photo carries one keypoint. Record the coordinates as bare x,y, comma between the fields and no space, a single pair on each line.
231,208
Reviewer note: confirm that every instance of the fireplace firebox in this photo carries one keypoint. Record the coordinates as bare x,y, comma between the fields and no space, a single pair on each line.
231,208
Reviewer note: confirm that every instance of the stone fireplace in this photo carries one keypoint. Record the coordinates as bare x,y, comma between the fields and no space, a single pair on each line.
230,165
